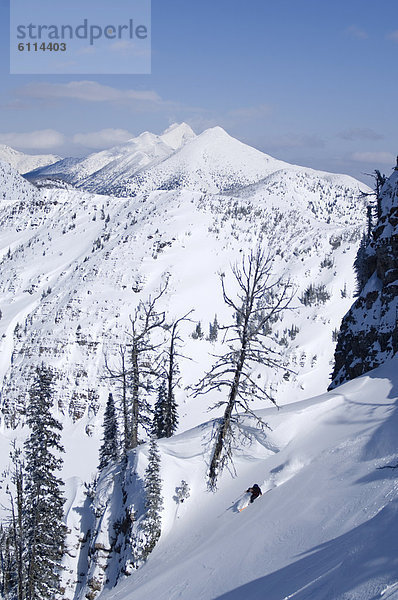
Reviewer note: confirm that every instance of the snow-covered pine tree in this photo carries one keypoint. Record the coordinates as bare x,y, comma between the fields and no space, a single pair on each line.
43,518
8,583
17,507
159,415
109,451
151,525
198,333
120,377
213,330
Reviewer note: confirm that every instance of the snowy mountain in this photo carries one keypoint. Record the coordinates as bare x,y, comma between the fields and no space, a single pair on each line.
26,162
369,334
100,171
67,294
211,162
73,267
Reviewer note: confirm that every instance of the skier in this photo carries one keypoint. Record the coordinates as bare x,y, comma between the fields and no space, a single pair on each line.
255,492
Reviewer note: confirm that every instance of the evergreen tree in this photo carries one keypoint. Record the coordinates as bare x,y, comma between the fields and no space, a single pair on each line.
121,378
165,418
17,504
109,451
8,582
170,414
159,416
151,526
213,330
43,513
379,182
360,265
198,333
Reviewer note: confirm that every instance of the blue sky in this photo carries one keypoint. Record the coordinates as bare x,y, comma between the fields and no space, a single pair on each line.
307,81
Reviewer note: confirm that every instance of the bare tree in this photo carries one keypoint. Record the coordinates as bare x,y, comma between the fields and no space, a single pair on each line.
258,302
138,367
165,417
144,364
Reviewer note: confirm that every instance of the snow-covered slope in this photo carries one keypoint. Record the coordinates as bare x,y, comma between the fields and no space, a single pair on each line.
100,171
79,265
26,162
324,528
73,267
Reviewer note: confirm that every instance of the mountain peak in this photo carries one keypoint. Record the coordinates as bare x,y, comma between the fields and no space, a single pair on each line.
177,135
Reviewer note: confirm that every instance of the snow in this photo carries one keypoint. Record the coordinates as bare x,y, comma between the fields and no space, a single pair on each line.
59,241
177,135
25,162
325,527
104,169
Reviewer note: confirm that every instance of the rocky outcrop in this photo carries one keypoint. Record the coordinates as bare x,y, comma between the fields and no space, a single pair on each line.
369,332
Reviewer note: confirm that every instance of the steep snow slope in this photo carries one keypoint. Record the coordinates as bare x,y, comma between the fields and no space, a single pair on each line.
14,189
101,170
325,527
75,275
25,162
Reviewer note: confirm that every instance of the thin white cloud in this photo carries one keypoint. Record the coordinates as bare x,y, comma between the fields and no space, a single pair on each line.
43,139
356,32
385,158
393,36
87,91
102,139
360,133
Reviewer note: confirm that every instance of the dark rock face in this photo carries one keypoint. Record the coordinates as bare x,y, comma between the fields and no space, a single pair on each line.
369,331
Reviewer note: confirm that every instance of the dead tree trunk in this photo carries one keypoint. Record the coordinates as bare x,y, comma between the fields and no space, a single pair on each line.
259,300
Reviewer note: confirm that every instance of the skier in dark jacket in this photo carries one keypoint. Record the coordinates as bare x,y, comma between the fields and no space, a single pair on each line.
255,492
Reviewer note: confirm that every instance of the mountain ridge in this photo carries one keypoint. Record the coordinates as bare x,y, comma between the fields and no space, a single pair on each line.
24,163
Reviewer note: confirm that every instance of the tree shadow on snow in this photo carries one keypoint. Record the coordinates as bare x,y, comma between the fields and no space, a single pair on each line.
365,560
383,441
